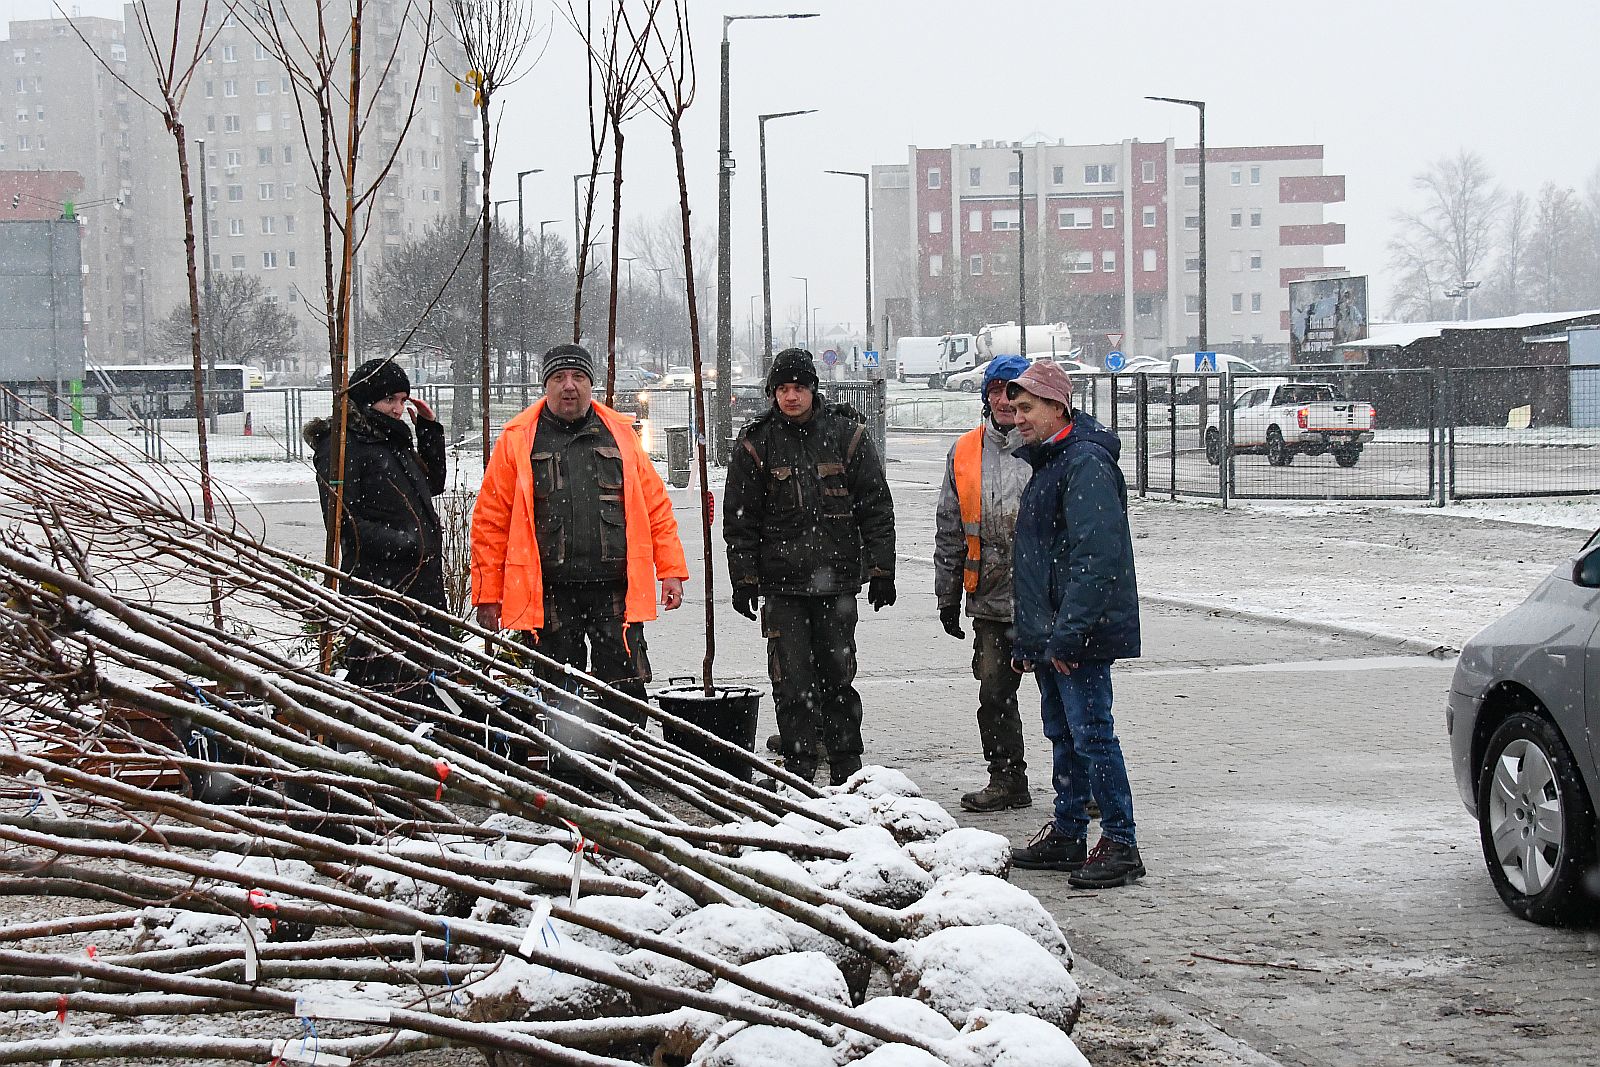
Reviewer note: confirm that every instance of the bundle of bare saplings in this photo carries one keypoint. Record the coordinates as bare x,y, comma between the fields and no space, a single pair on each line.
216,851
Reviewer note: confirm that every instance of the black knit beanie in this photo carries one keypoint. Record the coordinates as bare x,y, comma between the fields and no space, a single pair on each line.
376,379
567,357
792,366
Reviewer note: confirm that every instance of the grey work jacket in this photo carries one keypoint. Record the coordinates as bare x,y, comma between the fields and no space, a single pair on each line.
1004,477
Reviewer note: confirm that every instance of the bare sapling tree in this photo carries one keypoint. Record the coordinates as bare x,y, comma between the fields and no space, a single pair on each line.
175,53
672,79
337,90
599,137
617,63
494,37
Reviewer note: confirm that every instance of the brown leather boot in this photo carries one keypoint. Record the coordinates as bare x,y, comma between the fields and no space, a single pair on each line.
1003,793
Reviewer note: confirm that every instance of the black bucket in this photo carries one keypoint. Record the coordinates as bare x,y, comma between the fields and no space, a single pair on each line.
729,712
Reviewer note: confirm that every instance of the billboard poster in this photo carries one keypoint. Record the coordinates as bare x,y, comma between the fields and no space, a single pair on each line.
1325,313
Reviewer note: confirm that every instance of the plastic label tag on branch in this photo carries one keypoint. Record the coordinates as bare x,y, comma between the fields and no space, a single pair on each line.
536,925
45,795
339,1008
296,1051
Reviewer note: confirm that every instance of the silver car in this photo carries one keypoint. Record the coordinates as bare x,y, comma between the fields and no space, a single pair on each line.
1524,723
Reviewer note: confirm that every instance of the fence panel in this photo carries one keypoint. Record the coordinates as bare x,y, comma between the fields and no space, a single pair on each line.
1522,431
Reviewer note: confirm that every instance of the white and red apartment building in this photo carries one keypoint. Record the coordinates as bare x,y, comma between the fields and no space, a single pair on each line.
1111,238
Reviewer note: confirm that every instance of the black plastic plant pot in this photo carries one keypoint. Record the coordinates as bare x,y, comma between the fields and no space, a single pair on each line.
728,711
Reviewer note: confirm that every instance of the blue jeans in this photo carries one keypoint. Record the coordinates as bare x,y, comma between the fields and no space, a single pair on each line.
1076,710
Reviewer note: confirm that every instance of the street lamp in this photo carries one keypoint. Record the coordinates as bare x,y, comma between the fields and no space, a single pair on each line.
866,196
1457,292
1022,256
522,274
629,261
724,413
1200,106
805,309
577,211
661,317
205,257
766,253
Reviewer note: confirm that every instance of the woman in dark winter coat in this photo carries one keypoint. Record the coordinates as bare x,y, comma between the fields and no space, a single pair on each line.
390,535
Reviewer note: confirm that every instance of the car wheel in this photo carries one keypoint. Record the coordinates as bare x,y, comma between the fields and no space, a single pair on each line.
1278,453
1536,823
1347,457
969,386
1213,447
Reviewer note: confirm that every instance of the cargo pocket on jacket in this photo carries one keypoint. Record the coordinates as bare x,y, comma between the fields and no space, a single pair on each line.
835,491
783,491
546,473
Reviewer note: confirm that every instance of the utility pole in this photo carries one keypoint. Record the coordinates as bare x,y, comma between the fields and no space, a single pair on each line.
766,247
1200,106
866,228
1022,255
206,324
522,279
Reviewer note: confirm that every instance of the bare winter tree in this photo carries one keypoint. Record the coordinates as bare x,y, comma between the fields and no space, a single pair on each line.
1450,238
494,36
599,137
175,53
242,325
1552,248
1507,290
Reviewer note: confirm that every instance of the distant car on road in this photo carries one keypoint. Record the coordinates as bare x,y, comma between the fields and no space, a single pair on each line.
1524,723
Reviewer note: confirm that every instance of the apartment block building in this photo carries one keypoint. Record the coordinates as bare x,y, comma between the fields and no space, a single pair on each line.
1109,240
258,207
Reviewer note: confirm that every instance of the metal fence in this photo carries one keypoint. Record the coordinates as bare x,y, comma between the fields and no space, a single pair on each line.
1438,434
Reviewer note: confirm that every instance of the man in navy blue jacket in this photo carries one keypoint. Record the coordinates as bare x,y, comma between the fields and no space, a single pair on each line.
1077,610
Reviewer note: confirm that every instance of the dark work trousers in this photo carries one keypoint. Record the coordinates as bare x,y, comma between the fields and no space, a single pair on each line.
999,723
584,628
811,659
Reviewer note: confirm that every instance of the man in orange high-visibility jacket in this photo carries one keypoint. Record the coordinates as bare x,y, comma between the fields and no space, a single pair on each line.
973,526
572,529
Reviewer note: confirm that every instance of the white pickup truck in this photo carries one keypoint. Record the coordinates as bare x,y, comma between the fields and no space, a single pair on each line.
1283,418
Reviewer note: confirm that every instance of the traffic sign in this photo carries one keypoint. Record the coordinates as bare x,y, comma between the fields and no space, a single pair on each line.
830,357
870,359
1205,363
1115,361
1114,338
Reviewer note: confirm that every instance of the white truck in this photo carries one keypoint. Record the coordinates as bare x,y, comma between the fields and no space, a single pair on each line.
919,357
1283,419
964,351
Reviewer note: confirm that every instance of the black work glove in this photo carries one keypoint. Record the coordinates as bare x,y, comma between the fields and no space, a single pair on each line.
880,593
950,619
745,600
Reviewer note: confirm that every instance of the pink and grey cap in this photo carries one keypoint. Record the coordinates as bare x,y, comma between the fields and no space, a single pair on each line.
1046,380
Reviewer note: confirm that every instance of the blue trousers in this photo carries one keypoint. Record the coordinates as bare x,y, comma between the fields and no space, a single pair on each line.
1076,709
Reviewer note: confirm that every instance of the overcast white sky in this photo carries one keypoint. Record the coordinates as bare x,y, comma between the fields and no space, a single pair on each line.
1385,85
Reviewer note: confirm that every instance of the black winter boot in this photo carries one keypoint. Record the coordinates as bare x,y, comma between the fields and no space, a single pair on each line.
1003,793
840,770
1110,864
1050,850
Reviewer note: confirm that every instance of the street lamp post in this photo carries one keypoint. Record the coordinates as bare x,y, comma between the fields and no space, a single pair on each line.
629,261
661,317
805,308
766,252
1200,106
866,196
522,277
1022,255
205,259
724,414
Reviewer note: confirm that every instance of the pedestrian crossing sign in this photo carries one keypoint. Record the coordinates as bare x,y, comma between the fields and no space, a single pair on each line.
870,359
1205,363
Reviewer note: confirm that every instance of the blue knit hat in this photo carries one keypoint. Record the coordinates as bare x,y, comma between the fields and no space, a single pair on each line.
1000,369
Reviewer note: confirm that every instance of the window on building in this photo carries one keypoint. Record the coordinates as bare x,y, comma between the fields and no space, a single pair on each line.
1058,175
261,51
269,261
1147,171
236,262
1236,176
1191,264
235,193
269,224
935,266
1005,219
974,176
1238,303
935,222
264,190
1191,304
283,85
1074,218
288,224
1078,262
22,114
233,157
1014,178
1236,261
1099,173
211,89
288,190
263,156
264,122
974,222
1255,175
230,87
216,261
1255,217
1148,259
1144,305
974,265
888,177
999,263
236,227
231,124
211,124
1255,260
290,260
1108,260
1191,222
935,177
1191,177
230,54
1255,301
263,87
1235,219
1148,216
1108,218
288,154
19,56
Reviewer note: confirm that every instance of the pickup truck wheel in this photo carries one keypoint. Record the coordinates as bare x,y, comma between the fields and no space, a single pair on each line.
1278,453
1213,447
1347,457
1535,822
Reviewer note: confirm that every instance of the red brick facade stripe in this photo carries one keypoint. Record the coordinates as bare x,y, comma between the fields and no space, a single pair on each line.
1322,233
1311,189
